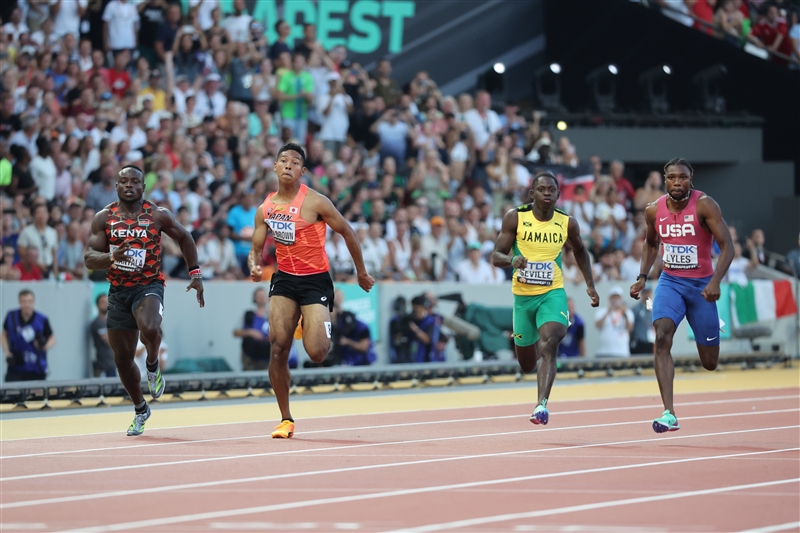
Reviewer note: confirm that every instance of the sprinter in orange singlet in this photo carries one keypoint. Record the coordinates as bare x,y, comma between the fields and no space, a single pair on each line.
297,216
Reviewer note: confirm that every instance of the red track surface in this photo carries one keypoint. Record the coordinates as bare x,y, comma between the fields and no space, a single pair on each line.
443,470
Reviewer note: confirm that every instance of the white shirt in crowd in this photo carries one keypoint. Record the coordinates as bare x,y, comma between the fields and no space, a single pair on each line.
238,27
122,19
482,127
629,268
603,211
21,139
615,340
482,273
374,252
214,106
15,31
204,12
337,121
43,172
583,213
39,38
737,272
46,243
136,140
68,19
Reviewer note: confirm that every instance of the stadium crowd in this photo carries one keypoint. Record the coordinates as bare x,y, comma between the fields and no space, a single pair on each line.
772,26
203,103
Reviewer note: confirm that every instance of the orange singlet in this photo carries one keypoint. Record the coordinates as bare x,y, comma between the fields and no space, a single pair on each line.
299,244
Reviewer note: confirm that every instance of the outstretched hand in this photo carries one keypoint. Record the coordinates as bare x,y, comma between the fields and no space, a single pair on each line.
197,284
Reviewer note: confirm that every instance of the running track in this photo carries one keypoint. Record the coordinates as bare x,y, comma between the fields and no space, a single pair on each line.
734,465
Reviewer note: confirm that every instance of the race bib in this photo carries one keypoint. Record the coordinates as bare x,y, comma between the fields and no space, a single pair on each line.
680,256
537,273
134,259
283,231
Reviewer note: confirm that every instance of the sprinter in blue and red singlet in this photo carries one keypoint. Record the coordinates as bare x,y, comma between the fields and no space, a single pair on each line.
684,221
297,217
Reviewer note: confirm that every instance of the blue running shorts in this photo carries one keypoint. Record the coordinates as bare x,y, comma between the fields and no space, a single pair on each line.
676,298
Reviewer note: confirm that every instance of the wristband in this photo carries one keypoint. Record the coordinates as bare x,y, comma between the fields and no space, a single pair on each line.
641,276
195,273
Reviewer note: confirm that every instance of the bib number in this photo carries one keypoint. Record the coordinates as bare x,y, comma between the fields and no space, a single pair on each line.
284,231
537,273
134,259
680,256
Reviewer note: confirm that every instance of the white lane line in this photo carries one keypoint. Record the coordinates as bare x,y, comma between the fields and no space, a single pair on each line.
366,445
588,507
155,522
387,426
771,529
189,486
406,411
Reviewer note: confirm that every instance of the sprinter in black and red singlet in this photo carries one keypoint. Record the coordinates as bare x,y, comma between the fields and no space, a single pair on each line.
126,242
297,217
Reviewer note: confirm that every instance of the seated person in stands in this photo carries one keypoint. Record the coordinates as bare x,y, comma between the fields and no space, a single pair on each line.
255,335
352,343
423,332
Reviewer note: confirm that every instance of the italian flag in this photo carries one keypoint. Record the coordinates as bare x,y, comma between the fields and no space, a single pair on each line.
762,301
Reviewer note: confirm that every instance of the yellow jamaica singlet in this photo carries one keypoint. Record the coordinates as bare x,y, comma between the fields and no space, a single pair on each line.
540,242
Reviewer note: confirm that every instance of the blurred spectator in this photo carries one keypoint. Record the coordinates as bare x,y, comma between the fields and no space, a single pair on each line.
210,102
295,91
241,218
221,254
342,266
351,343
42,238
28,266
755,247
15,26
615,323
434,251
643,334
385,86
573,344
737,272
650,192
623,185
27,337
630,266
166,33
704,11
792,265
609,221
400,248
482,121
582,209
105,192
7,270
772,34
430,180
334,108
120,19
280,46
476,270
423,333
103,365
70,252
730,19
27,136
22,183
394,129
43,170
255,334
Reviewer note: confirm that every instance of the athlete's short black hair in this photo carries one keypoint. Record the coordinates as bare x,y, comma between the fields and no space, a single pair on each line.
294,147
134,167
678,161
543,174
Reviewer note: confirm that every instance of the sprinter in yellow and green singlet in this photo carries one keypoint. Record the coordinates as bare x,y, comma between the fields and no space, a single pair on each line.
531,240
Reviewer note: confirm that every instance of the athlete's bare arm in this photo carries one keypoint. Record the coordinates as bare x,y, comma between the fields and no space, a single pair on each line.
582,258
257,248
709,214
650,251
167,223
333,218
502,257
96,256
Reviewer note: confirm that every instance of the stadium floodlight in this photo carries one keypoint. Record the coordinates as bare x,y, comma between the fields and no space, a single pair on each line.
709,87
603,88
654,81
547,87
499,68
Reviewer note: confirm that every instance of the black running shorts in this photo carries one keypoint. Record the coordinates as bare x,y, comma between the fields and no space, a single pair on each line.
305,290
123,301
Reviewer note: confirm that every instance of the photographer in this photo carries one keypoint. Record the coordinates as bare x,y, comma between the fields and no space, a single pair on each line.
352,342
26,338
255,335
615,323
